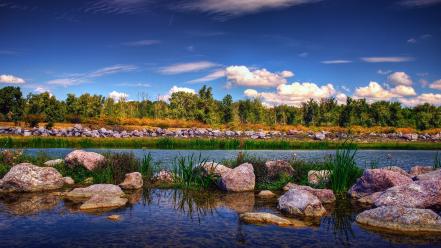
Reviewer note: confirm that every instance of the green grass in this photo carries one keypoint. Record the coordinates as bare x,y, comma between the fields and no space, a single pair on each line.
198,143
437,162
187,173
344,170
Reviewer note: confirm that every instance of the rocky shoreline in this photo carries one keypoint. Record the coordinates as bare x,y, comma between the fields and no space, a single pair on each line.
80,131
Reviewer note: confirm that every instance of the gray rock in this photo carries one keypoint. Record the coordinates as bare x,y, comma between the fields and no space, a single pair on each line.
239,179
299,202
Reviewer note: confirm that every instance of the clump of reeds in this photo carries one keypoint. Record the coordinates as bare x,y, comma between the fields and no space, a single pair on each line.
188,174
344,169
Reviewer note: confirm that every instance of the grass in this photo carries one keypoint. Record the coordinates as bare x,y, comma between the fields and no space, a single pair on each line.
200,143
187,173
344,170
437,161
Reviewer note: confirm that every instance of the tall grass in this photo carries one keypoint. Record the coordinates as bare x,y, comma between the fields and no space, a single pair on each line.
344,169
188,174
437,161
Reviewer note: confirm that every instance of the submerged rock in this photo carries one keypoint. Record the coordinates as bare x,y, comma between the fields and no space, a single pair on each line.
276,168
324,195
419,169
213,168
89,160
419,194
239,179
132,181
54,162
377,180
267,218
318,177
96,189
240,202
103,202
27,177
400,219
114,217
299,202
266,194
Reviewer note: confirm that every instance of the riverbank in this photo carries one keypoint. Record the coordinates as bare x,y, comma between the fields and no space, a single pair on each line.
205,143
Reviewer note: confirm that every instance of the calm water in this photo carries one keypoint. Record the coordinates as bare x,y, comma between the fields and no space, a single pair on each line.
402,158
173,218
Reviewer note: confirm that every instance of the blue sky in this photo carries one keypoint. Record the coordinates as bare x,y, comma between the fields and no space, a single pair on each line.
282,51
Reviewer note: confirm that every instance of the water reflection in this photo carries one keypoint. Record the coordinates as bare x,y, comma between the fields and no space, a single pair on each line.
28,204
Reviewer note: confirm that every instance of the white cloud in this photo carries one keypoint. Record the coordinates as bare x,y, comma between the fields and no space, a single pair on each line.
118,96
40,90
436,85
383,72
141,85
187,67
210,77
11,79
341,98
418,3
412,41
236,8
175,89
117,6
337,61
431,98
80,78
294,94
140,43
244,76
386,59
403,90
303,55
400,78
375,92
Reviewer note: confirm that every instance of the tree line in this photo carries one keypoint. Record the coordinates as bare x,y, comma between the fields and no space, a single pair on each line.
202,107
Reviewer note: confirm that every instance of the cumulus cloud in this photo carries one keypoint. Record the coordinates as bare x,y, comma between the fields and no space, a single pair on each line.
210,77
400,78
403,90
294,94
436,85
118,96
244,76
11,79
337,61
140,43
187,67
40,90
175,89
431,98
375,92
386,59
235,8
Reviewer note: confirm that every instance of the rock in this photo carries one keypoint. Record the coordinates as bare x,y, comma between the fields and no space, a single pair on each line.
267,218
434,175
276,168
324,195
239,179
114,217
213,168
401,219
396,169
163,177
54,162
419,194
103,202
266,194
90,160
68,181
318,177
132,181
96,189
319,136
376,180
299,202
27,177
369,199
419,169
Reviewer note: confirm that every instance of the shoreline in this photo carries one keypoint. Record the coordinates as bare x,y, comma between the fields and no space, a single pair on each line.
206,143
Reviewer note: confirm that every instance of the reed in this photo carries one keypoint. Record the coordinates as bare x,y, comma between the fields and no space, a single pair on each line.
344,169
187,173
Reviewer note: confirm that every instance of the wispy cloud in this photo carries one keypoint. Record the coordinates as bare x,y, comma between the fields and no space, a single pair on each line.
210,77
187,67
418,3
140,85
79,78
11,79
384,72
140,43
117,6
229,8
8,52
386,59
337,61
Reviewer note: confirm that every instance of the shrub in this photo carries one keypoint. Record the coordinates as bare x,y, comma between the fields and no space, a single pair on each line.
32,120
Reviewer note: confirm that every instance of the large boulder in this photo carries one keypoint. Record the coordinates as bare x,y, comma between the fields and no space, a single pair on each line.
27,177
419,194
103,202
420,169
89,160
434,175
276,168
96,189
401,219
213,169
132,181
299,202
397,169
318,177
239,179
324,195
267,218
376,180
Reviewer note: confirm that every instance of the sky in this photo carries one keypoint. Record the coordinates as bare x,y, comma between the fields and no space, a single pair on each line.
281,51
